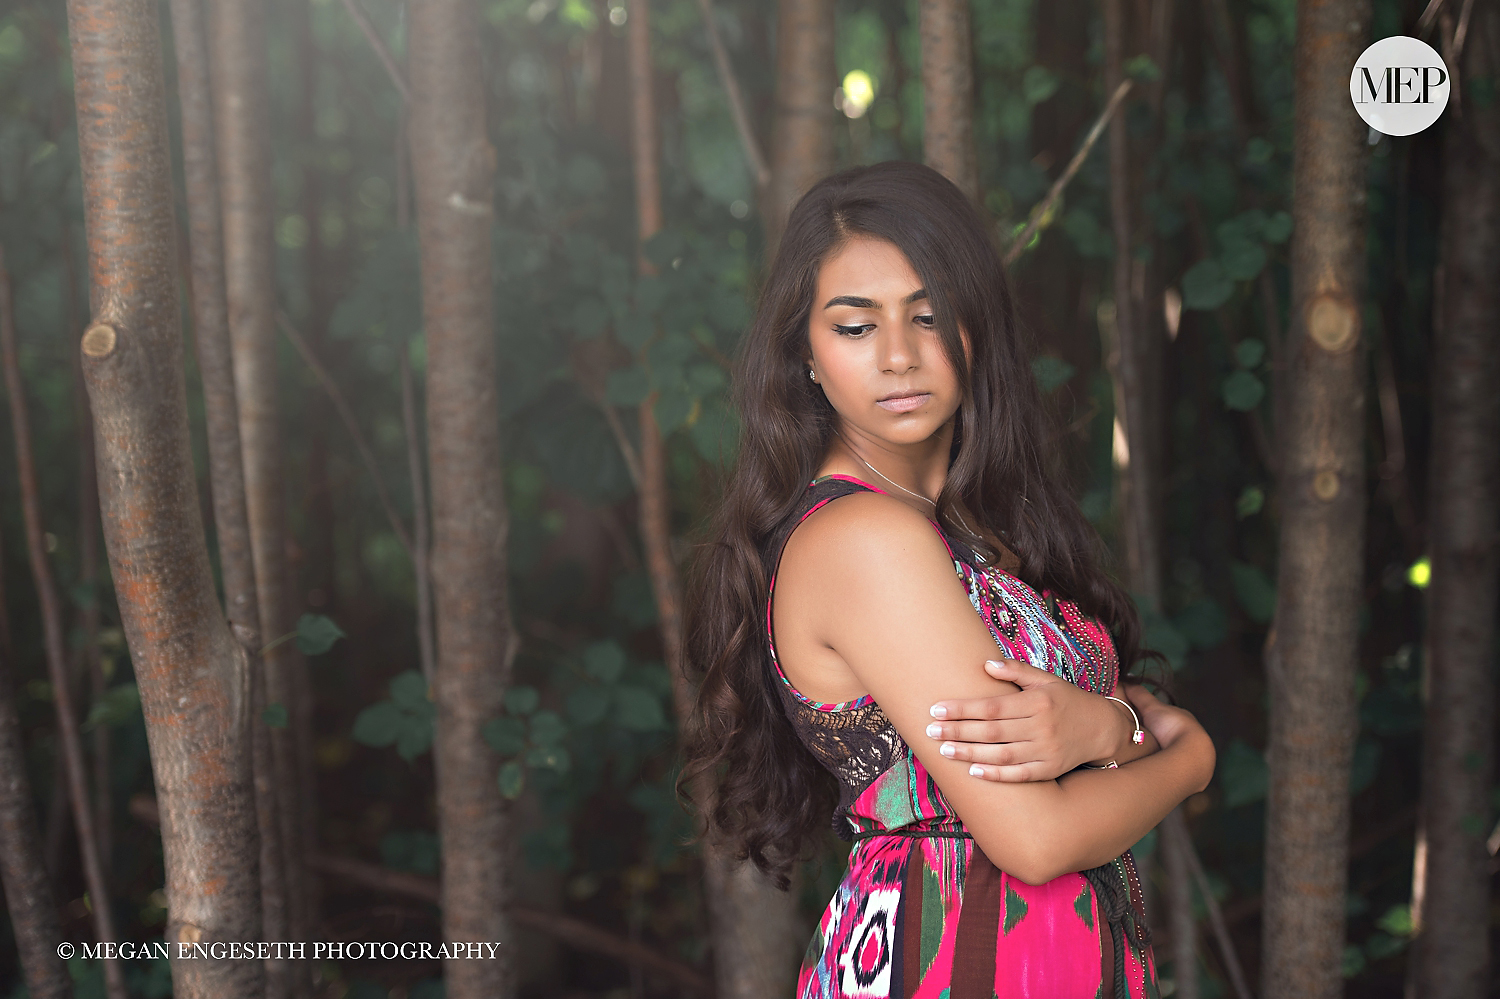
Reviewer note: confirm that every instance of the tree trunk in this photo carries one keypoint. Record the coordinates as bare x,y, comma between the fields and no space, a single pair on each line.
948,93
1453,957
751,923
193,676
802,133
237,42
59,673
453,169
226,462
1311,655
28,893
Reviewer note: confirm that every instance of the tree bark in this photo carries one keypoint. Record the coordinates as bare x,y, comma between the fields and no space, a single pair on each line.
70,742
28,892
802,132
193,676
1453,957
210,310
948,93
751,922
453,169
237,43
1311,653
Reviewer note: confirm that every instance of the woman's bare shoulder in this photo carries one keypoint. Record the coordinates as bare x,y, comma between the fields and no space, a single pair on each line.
859,542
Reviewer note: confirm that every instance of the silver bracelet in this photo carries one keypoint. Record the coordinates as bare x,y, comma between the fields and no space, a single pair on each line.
1138,736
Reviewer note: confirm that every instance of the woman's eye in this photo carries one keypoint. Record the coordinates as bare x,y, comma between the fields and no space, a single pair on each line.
927,321
852,330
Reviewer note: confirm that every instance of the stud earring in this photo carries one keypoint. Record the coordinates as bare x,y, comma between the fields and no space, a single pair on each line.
813,375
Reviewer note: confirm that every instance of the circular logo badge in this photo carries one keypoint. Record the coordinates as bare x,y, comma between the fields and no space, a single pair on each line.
1399,85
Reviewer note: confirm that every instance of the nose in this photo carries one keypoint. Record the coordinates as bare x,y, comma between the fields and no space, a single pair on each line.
898,349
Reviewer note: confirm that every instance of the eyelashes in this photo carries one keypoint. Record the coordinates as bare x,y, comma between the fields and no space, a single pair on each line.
925,321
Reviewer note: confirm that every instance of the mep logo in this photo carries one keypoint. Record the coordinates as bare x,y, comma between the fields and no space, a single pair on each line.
1399,85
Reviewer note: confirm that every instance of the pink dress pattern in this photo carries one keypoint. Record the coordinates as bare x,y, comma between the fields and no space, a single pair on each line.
921,912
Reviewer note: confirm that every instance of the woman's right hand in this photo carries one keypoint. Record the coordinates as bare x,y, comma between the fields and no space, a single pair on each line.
1168,723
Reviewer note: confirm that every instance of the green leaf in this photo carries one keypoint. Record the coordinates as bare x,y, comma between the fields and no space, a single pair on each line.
627,387
547,728
589,318
1381,945
634,328
604,661
1397,921
1206,286
506,735
1250,352
1243,260
414,738
1244,773
1252,500
512,780
1142,69
1038,83
1051,372
1277,228
638,710
409,691
275,715
522,700
1159,635
1203,623
549,758
379,724
587,705
316,634
672,410
115,705
1243,391
1353,962
1256,593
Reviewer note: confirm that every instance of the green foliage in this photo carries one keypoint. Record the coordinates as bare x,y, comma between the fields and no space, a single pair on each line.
1256,592
406,720
275,715
1051,372
118,704
316,634
1243,391
1244,775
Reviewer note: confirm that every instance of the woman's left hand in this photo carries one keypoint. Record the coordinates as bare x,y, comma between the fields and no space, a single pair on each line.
1039,732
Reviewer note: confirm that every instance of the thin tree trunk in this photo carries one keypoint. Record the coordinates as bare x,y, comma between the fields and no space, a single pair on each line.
802,132
70,742
1453,959
193,676
752,924
28,893
237,43
948,93
1135,364
453,168
88,614
1312,651
210,311
421,542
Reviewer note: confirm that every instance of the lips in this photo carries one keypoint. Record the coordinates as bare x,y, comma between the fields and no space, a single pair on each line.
904,402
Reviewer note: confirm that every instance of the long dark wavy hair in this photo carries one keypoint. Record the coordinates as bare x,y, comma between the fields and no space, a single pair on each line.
764,792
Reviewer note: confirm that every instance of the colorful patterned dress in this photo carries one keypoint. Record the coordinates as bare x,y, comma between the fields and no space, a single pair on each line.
921,912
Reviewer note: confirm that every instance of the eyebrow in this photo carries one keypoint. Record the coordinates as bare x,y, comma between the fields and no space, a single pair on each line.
854,301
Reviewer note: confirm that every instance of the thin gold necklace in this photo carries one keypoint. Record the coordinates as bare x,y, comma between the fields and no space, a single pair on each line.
904,489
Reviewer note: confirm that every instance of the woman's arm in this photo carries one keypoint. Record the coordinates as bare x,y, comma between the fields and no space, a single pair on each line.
1042,731
873,581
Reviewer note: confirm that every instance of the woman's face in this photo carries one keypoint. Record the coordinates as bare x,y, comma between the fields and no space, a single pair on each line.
875,350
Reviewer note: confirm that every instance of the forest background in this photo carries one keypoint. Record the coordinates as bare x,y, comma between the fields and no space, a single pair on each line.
468,731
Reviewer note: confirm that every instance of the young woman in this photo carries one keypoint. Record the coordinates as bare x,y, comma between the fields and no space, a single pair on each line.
891,525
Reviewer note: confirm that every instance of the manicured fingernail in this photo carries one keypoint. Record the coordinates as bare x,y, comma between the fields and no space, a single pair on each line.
976,771
947,749
938,711
934,731
992,664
